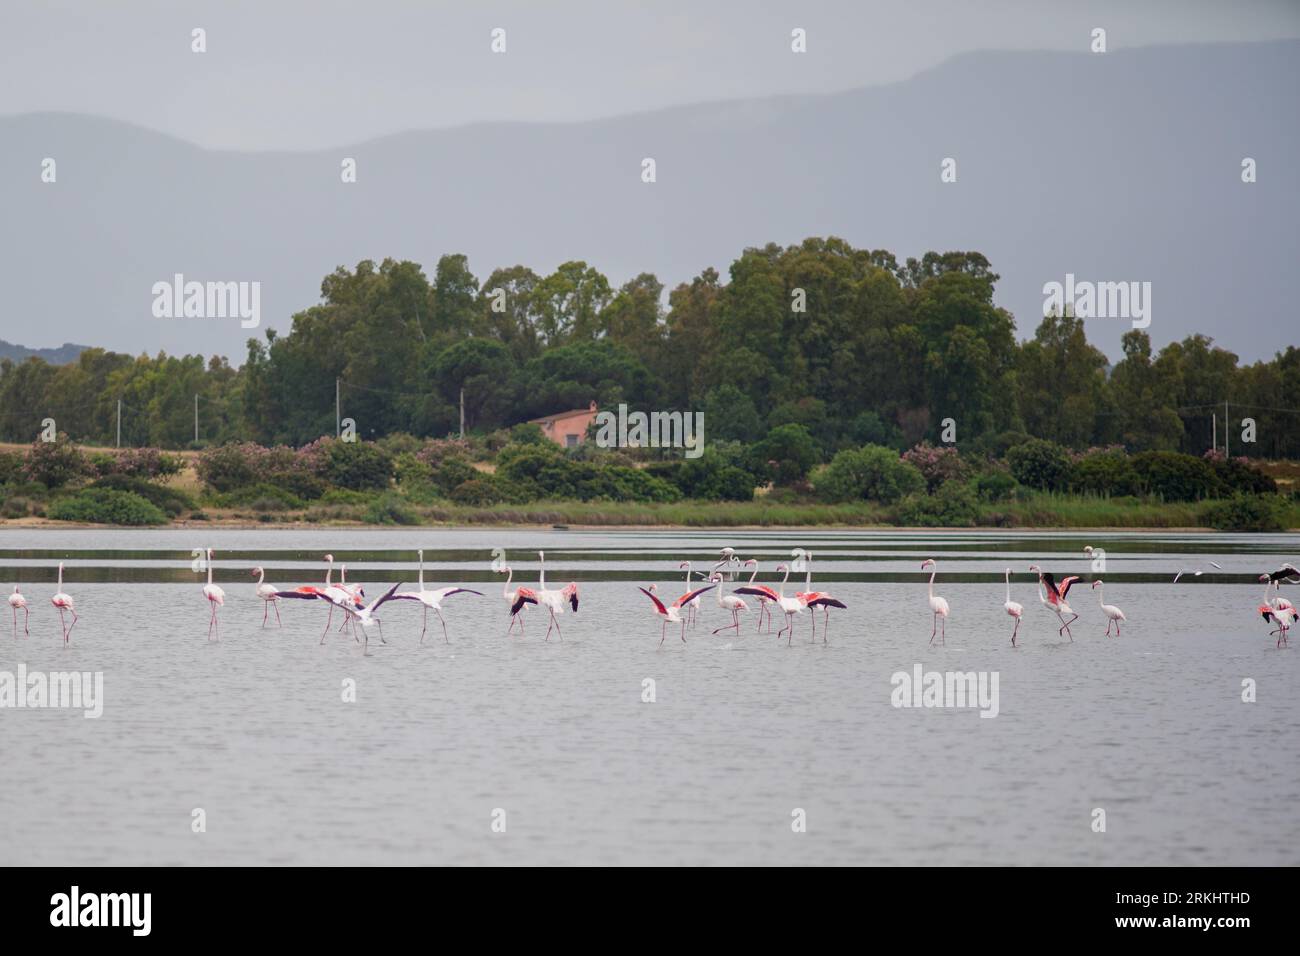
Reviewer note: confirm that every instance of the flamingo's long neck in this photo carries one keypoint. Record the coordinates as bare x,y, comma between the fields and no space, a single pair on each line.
688,571
329,570
719,590
60,576
807,581
932,574
209,568
421,570
1101,600
510,574
261,575
781,593
754,574
1008,587
541,574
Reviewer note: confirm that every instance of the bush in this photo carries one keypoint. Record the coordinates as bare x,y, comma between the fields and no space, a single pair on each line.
1246,513
1239,476
454,472
1039,464
136,463
171,500
15,508
389,509
1176,477
527,433
786,455
55,463
410,470
107,506
1105,473
261,497
953,506
873,473
230,466
995,485
477,491
937,465
359,466
11,467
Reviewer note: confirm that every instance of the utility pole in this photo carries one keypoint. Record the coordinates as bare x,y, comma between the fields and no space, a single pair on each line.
119,423
196,418
1225,428
462,411
1214,430
338,420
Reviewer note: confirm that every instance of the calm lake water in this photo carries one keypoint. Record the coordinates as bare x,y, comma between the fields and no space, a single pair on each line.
743,731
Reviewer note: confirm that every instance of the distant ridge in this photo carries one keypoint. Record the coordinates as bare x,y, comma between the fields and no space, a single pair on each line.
64,354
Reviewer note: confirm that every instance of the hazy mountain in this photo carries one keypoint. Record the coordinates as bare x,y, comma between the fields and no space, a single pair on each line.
1121,166
65,353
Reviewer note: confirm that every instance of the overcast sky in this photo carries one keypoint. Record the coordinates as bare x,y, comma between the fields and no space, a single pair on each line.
292,74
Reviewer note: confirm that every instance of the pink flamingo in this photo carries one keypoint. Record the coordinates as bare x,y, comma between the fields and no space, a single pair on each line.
329,592
1052,596
432,599
1283,617
16,601
365,616
938,606
554,600
817,599
516,599
728,602
63,602
693,608
764,594
673,612
267,594
1013,609
216,598
789,605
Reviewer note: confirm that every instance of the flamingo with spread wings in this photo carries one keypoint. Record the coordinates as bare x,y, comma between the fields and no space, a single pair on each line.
817,599
764,594
1052,596
516,600
432,599
553,599
673,612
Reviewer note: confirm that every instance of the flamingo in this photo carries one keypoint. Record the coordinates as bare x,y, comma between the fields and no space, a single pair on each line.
728,558
1273,583
64,603
365,616
516,599
1284,617
673,612
790,605
266,592
1013,609
216,598
817,599
554,600
938,606
764,594
1053,595
728,602
1113,614
331,593
354,591
693,607
432,599
16,601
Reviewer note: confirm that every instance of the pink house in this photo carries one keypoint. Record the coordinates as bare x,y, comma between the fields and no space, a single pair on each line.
567,428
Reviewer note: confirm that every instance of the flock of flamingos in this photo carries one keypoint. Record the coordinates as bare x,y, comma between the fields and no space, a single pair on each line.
350,599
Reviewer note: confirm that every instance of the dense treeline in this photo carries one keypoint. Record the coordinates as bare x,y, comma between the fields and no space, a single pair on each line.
881,353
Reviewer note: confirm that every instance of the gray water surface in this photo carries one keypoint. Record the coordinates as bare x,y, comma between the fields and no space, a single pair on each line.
744,730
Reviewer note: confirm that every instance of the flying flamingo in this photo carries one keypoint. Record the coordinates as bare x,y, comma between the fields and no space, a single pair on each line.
938,606
1012,608
673,612
216,597
64,603
693,607
432,599
365,616
764,594
1195,572
1052,596
554,600
516,599
266,592
817,599
16,601
728,602
1113,614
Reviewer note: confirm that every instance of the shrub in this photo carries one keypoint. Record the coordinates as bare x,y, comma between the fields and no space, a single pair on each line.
1039,464
1176,477
171,500
55,463
454,472
11,467
389,509
1105,473
410,470
786,455
358,465
230,466
261,497
1238,475
953,506
1246,513
527,433
107,506
477,491
995,485
873,473
937,465
15,508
